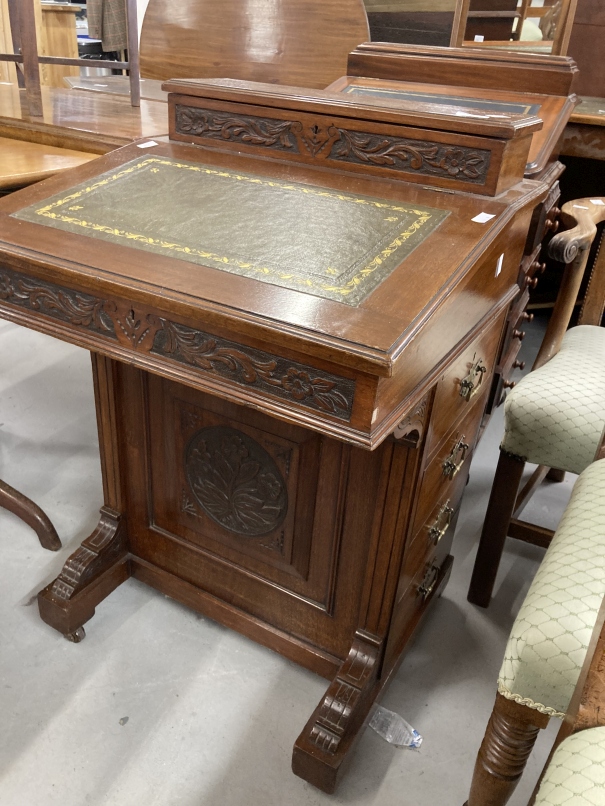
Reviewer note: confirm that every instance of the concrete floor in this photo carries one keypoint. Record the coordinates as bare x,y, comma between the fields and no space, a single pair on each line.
161,707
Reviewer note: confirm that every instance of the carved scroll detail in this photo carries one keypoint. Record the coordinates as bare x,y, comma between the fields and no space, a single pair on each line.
330,142
286,379
245,128
411,428
96,554
81,310
145,332
415,155
346,692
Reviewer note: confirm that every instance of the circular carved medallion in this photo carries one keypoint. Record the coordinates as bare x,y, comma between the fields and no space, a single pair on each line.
235,481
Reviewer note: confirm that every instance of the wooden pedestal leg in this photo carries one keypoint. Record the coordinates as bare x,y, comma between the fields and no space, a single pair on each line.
335,725
555,475
509,739
101,563
31,513
89,575
495,527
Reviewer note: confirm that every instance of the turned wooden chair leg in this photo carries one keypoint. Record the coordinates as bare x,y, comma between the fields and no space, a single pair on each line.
509,739
31,513
495,528
555,475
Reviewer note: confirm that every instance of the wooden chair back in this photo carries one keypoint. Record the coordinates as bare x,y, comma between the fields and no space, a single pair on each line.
572,247
298,42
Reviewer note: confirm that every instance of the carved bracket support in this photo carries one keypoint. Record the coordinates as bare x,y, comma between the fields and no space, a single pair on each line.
335,724
411,429
97,554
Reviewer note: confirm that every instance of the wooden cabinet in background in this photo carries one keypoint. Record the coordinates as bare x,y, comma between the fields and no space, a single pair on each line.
58,37
587,46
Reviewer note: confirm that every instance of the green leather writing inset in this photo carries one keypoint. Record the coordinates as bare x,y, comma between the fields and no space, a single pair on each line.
304,237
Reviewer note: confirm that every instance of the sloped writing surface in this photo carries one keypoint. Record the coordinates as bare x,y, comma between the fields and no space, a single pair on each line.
320,241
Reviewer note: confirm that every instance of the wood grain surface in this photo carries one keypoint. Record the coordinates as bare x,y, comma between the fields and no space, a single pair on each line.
22,163
300,42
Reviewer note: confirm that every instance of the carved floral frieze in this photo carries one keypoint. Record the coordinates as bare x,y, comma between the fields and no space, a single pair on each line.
342,145
74,307
143,331
281,377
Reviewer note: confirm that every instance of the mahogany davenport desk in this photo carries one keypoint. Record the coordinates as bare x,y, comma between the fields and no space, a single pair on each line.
294,308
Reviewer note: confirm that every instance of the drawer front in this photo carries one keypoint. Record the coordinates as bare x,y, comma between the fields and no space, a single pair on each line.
413,597
432,542
451,462
544,219
464,383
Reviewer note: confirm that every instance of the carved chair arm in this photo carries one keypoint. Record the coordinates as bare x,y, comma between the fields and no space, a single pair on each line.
572,248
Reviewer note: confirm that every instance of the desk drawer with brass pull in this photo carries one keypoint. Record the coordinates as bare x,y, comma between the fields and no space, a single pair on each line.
431,543
465,381
446,472
413,599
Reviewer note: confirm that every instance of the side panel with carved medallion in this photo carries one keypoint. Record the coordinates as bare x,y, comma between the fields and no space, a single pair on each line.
270,517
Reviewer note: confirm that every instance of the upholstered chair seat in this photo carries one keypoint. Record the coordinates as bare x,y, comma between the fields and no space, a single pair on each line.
548,643
576,773
555,415
550,636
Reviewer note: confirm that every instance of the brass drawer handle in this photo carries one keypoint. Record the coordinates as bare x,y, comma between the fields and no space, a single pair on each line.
442,523
427,586
472,383
451,468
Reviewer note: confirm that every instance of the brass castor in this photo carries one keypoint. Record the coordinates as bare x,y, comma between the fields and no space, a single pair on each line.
76,636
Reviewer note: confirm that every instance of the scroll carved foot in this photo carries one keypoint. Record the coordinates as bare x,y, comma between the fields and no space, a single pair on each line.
88,576
31,513
337,722
509,739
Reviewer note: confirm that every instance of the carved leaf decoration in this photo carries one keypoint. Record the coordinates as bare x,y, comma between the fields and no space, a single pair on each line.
251,130
429,158
235,481
326,396
205,353
77,309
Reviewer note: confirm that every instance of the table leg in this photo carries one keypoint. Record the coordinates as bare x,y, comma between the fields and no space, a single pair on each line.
101,563
31,513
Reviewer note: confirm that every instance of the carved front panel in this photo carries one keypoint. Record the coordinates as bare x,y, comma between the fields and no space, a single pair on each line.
328,141
244,488
235,485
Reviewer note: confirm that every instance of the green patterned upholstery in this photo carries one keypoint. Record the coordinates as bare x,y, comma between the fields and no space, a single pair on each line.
576,773
550,636
555,415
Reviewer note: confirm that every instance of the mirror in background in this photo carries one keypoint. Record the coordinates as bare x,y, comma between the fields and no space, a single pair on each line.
413,22
531,26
